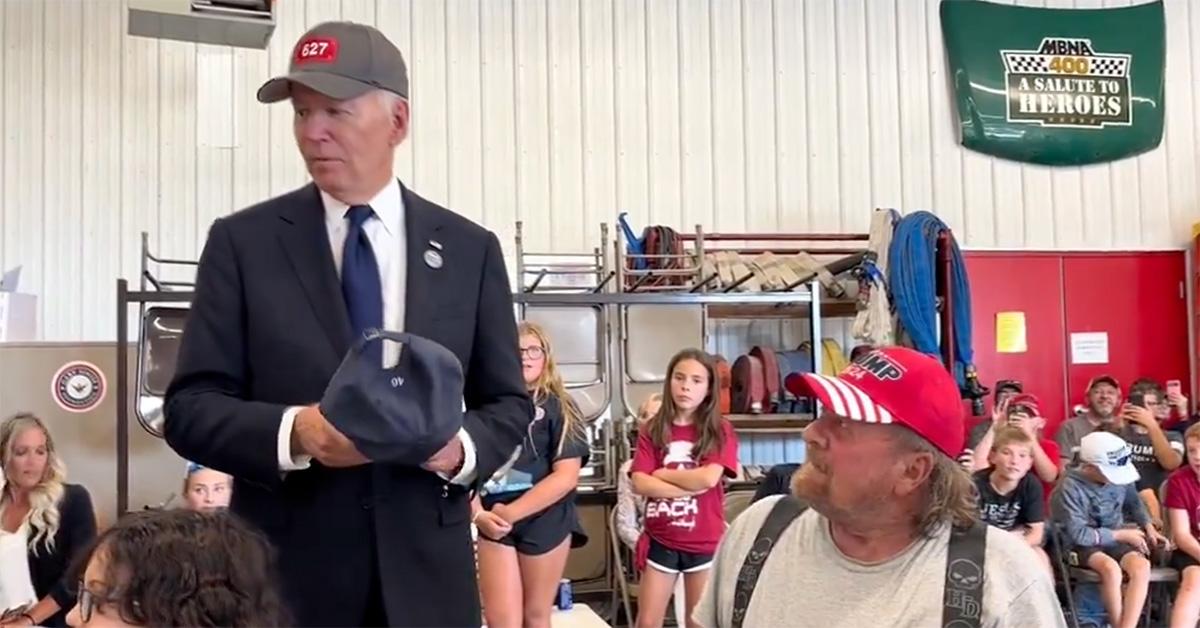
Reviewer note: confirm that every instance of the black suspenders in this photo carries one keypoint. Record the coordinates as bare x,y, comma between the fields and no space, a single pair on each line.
963,599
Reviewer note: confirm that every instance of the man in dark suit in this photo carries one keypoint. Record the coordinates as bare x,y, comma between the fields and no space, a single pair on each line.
283,289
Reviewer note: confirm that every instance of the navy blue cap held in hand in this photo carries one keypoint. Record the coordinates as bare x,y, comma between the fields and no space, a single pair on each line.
399,415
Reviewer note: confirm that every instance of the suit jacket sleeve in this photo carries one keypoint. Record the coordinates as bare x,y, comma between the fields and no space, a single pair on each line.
499,409
78,529
208,418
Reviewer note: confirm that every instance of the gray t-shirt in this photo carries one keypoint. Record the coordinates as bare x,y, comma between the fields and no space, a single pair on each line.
1069,435
807,581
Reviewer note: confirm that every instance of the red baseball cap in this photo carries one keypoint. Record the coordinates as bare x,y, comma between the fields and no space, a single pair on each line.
893,385
1103,379
1027,400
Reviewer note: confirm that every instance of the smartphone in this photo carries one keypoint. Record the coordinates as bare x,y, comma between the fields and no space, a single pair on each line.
1137,399
1020,412
1174,386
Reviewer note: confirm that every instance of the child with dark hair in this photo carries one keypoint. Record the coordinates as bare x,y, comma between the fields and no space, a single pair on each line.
178,568
683,453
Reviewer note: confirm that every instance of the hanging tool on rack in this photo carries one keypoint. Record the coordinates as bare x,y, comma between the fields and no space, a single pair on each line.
873,322
633,244
658,249
913,279
664,251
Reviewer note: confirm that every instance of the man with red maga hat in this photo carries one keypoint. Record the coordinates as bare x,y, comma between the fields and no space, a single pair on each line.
882,524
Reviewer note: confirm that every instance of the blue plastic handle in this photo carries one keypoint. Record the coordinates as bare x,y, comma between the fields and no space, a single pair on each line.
633,244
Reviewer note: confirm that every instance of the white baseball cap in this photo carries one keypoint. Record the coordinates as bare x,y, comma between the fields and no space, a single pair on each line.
1111,455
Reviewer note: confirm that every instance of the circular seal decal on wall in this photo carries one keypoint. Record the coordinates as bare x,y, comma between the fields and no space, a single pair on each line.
78,386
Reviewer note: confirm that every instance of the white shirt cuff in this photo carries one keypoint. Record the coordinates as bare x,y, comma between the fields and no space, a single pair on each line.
284,446
467,474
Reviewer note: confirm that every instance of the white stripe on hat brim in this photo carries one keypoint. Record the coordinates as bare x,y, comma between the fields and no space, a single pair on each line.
843,398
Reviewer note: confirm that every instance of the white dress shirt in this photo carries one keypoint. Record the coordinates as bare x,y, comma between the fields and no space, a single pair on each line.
385,231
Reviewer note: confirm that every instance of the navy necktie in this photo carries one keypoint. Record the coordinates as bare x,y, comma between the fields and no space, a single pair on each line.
360,280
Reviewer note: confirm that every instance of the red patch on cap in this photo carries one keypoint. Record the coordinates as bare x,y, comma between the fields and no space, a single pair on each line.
316,49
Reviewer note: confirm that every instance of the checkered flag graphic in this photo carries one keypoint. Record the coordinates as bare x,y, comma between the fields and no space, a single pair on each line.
1019,63
1109,66
1027,64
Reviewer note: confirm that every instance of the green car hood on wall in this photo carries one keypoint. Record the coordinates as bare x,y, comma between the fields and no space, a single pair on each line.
1059,87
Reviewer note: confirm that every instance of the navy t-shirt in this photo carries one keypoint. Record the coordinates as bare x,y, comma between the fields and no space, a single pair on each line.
539,452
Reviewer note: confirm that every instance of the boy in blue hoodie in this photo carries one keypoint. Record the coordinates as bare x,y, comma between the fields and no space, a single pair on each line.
1098,506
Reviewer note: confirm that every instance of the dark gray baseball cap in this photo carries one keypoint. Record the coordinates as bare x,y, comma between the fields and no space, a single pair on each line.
342,60
400,415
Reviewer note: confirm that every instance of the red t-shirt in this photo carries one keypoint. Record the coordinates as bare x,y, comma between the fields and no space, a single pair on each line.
687,524
1183,493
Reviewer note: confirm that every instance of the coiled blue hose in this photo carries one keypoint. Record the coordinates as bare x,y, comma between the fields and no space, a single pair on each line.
912,273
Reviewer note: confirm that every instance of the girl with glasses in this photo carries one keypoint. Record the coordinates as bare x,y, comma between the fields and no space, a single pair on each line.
526,514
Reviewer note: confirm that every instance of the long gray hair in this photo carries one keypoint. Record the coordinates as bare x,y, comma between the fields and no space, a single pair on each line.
951,496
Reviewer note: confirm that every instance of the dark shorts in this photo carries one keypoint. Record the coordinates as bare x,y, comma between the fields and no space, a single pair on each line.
667,560
1080,554
544,531
1181,560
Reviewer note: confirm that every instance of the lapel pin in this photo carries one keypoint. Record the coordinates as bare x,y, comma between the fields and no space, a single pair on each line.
433,259
435,244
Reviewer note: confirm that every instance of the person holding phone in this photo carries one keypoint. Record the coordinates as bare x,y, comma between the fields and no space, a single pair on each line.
1175,414
1004,389
1022,411
1156,451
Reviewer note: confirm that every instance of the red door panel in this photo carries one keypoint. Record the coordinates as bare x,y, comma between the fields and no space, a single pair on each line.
1029,283
1138,299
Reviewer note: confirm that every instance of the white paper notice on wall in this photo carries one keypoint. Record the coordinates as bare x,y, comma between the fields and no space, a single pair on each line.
1089,347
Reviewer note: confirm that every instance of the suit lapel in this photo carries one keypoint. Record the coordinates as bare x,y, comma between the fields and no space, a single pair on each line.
306,242
423,286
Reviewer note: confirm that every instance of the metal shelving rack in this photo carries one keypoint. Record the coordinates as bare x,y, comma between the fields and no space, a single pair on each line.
800,300
606,290
613,289
573,281
152,289
629,283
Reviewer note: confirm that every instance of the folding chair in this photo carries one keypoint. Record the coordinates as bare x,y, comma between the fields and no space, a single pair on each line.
625,588
1068,574
1160,578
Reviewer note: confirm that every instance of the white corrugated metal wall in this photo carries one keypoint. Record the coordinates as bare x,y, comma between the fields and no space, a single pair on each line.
742,115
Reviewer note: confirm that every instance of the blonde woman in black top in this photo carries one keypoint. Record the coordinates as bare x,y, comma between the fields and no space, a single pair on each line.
53,520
